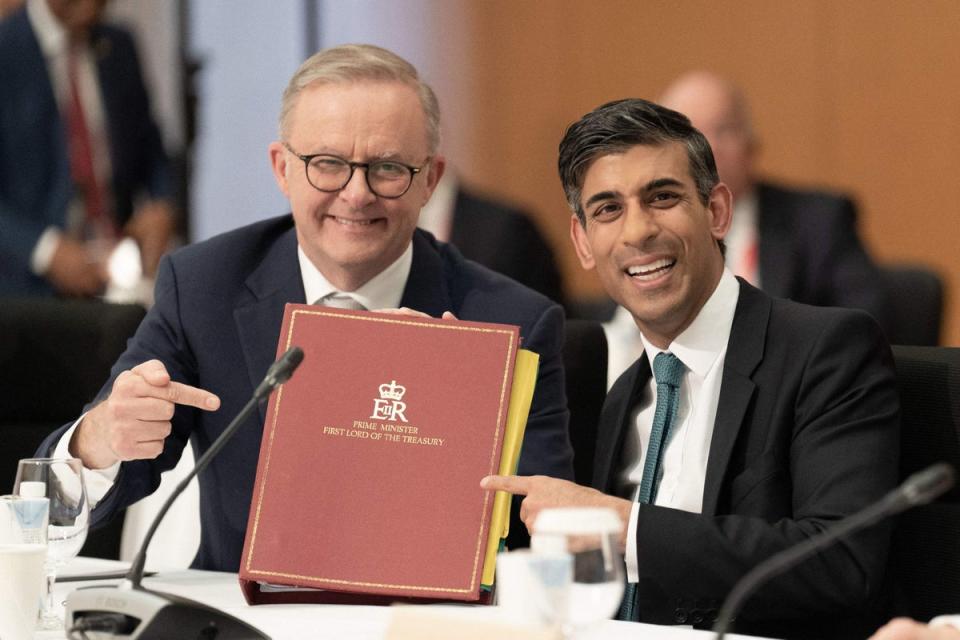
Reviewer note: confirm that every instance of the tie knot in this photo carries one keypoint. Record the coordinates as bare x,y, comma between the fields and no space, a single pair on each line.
340,300
667,369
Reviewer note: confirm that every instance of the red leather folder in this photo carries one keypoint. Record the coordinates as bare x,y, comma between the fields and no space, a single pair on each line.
367,486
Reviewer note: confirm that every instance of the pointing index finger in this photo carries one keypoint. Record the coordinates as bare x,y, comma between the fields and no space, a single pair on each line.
180,393
517,485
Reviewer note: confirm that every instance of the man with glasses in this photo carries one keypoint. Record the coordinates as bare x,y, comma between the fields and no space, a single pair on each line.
357,159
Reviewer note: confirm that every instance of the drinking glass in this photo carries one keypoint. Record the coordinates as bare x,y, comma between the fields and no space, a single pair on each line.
532,588
61,481
23,536
589,535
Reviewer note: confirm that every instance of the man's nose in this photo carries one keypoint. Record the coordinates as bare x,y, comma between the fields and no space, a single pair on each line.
639,225
357,192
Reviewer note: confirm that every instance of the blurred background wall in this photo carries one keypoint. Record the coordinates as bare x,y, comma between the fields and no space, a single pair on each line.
854,95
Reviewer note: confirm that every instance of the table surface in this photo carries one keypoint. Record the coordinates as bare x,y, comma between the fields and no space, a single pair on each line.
289,621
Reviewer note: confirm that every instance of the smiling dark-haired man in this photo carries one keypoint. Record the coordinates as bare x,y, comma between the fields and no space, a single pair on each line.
749,423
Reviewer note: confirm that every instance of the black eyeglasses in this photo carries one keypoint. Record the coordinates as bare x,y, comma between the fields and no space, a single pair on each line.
385,178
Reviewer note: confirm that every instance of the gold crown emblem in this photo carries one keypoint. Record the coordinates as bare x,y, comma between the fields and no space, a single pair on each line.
392,391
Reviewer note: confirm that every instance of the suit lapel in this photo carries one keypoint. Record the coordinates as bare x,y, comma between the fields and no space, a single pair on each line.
613,425
426,288
744,354
274,283
776,259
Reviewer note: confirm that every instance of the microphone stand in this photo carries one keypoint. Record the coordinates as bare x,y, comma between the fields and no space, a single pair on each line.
135,574
131,610
920,488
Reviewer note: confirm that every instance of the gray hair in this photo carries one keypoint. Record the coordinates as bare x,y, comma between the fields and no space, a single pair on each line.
615,127
353,62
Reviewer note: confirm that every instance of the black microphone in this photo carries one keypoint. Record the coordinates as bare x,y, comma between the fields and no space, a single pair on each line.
920,488
137,613
279,372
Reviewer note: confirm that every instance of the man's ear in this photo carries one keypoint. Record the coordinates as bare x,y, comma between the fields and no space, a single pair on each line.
434,172
581,243
279,164
720,209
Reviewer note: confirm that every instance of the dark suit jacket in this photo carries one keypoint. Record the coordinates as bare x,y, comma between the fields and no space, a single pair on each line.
216,322
505,239
810,251
807,432
35,182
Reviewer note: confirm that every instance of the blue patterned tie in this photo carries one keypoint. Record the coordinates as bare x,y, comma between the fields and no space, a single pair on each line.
667,371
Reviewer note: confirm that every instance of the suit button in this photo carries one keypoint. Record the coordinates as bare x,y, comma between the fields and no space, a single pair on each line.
712,615
696,616
680,616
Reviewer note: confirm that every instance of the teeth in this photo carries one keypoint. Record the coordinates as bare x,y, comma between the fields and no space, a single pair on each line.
650,271
353,223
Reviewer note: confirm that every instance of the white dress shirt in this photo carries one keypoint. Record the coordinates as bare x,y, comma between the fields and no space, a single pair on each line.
702,348
383,291
54,45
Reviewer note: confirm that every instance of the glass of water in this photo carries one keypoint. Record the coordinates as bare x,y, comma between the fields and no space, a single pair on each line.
589,535
60,480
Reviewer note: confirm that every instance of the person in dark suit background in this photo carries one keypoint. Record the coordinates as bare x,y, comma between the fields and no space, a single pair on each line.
800,244
357,158
82,163
785,415
495,233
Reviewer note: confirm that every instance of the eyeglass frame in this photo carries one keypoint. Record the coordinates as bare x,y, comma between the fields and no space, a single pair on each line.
353,167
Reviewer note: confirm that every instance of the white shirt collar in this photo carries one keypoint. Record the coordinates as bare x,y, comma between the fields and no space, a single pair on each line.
383,291
706,338
50,33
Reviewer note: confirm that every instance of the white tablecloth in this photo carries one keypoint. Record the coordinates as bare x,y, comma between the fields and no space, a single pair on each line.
294,621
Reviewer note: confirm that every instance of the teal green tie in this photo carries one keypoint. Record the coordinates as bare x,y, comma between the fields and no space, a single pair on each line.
667,371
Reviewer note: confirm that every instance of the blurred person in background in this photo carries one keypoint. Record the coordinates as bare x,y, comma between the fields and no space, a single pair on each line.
792,243
82,165
494,233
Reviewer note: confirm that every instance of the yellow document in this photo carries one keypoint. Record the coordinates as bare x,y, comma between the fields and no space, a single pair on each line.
521,396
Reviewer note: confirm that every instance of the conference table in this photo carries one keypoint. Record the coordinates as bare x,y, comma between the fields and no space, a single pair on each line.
297,621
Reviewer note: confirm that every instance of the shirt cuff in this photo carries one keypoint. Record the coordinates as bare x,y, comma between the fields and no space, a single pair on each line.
946,621
43,252
630,557
97,481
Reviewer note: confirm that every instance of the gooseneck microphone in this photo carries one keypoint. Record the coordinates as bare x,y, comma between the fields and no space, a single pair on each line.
133,612
920,488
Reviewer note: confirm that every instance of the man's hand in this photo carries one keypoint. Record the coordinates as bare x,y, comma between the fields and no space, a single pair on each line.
152,227
907,629
75,271
407,311
543,492
134,421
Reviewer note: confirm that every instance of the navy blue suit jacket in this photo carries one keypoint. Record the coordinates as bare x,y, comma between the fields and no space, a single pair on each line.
216,322
806,433
35,182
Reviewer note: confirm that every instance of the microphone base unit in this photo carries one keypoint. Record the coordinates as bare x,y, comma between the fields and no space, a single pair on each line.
133,612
